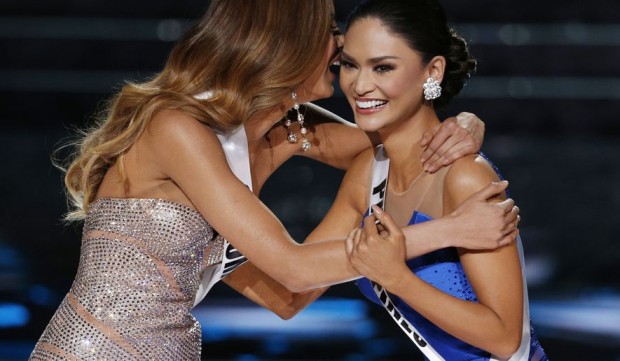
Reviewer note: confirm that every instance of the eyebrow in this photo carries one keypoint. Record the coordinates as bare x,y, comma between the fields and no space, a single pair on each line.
375,60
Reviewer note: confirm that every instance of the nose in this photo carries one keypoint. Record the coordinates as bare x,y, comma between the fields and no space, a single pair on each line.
363,84
338,36
339,41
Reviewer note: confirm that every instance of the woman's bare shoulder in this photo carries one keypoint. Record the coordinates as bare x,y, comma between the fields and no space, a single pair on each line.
468,175
173,136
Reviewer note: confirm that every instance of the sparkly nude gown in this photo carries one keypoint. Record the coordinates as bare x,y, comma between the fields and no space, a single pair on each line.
140,266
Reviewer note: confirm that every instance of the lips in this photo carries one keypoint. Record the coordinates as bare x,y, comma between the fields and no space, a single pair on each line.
369,106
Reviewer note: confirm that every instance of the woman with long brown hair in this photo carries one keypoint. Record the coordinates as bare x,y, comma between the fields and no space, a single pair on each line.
153,182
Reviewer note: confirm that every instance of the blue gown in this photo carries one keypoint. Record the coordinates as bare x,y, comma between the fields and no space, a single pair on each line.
443,270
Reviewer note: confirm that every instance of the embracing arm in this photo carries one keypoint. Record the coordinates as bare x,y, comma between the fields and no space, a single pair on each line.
199,168
343,216
259,287
338,142
335,141
477,223
494,323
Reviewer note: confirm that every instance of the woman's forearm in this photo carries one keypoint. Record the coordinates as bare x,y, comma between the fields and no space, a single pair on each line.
479,223
472,322
257,286
426,237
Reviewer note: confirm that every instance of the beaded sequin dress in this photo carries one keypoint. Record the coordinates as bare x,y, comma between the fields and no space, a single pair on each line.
140,266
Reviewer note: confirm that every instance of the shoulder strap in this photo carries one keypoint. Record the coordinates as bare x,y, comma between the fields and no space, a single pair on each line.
380,172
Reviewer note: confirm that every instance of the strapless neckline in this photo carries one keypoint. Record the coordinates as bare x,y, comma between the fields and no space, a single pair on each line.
127,200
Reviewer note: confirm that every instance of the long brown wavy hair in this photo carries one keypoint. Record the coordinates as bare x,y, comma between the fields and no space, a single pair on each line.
249,53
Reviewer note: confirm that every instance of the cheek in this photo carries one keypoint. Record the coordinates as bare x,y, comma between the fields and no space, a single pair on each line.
342,81
345,79
401,86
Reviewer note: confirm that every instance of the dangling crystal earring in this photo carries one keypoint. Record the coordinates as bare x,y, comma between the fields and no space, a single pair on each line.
292,137
432,89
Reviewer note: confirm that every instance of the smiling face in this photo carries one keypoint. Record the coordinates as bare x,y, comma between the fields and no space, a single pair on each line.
381,76
320,84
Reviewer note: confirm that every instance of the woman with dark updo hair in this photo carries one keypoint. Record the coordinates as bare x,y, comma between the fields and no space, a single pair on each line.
399,63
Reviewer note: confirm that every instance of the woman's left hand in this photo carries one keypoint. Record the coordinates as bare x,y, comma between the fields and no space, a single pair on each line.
454,138
377,251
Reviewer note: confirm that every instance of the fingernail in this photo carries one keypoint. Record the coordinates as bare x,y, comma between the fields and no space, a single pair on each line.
376,209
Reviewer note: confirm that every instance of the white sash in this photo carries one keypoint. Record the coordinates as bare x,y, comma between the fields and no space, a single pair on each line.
377,196
235,146
380,173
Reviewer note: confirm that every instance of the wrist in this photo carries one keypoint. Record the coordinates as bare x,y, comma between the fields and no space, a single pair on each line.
445,231
397,283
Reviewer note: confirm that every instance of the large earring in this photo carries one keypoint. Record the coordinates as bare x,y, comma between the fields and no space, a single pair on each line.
292,137
432,89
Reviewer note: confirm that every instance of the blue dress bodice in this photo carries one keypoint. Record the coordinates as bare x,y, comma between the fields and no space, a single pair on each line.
443,270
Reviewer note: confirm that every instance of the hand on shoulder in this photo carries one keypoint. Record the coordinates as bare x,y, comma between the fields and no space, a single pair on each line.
467,176
482,217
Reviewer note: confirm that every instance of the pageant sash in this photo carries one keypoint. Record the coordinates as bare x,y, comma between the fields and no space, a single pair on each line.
235,146
380,172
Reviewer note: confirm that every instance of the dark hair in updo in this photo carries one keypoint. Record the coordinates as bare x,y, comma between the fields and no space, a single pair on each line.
423,25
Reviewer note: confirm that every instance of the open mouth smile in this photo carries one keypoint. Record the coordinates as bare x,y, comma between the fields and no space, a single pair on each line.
370,104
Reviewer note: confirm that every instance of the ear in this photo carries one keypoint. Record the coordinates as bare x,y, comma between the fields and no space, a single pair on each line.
436,68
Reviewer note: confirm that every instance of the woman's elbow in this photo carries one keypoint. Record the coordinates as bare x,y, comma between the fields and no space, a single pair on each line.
295,284
508,345
288,312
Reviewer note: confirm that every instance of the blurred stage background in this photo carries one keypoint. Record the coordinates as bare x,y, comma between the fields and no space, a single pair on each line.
548,89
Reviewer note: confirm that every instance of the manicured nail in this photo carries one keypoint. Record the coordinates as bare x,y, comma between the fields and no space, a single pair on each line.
376,209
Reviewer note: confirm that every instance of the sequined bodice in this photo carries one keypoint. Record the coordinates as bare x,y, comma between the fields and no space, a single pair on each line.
168,243
140,266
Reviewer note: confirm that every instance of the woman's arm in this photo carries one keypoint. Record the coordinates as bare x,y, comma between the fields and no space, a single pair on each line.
338,142
335,141
477,223
344,215
256,285
189,154
493,323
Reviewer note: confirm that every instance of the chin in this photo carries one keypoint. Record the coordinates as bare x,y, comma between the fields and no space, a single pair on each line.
328,92
368,125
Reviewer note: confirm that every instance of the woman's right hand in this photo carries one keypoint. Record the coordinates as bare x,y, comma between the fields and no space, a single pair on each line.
378,250
480,224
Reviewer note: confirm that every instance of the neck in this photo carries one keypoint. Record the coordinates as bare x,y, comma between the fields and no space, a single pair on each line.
260,124
402,145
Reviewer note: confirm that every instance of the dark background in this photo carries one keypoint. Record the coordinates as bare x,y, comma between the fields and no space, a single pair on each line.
548,89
